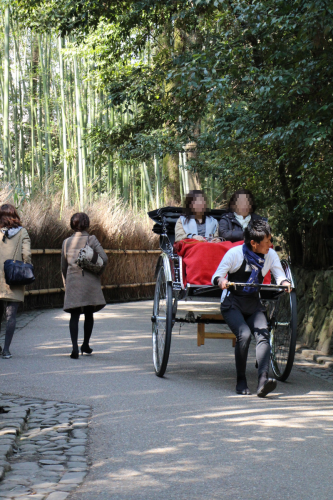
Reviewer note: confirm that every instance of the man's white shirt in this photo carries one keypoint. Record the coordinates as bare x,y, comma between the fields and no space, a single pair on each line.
234,258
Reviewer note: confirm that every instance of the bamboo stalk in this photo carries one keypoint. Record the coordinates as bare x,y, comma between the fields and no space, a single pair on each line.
22,149
64,136
79,131
6,98
16,134
32,146
48,145
158,181
151,198
181,185
40,125
186,176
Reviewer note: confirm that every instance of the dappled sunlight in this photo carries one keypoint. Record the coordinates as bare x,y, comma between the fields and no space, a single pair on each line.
160,451
217,428
160,474
125,478
290,416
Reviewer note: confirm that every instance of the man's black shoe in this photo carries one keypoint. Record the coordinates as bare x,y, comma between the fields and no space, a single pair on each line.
268,386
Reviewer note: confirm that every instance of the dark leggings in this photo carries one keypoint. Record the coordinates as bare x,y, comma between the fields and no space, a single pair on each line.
11,311
243,326
88,312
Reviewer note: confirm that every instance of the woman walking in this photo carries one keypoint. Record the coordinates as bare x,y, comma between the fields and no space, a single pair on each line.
83,293
14,244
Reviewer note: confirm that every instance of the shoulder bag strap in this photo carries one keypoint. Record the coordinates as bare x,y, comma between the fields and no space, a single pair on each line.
17,244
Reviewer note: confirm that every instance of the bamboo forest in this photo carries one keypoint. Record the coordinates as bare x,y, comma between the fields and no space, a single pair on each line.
51,103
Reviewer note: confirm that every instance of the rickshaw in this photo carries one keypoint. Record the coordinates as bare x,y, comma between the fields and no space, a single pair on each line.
170,291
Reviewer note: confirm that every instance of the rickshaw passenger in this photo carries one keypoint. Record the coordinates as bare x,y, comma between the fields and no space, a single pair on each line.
240,213
196,223
241,308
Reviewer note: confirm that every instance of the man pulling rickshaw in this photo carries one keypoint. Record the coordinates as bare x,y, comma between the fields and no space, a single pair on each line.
241,307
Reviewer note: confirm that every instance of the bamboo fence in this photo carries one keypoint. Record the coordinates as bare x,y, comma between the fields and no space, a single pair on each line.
47,291
53,251
129,274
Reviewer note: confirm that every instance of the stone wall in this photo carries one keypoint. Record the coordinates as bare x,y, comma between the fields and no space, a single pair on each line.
315,309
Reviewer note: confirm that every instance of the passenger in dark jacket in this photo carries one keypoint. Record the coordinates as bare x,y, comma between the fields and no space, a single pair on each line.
241,212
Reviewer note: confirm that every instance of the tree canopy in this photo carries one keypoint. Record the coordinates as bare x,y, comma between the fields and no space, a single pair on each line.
247,85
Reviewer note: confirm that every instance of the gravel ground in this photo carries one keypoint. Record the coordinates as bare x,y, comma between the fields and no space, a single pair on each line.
187,436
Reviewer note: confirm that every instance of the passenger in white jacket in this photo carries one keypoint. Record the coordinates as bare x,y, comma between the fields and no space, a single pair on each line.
242,308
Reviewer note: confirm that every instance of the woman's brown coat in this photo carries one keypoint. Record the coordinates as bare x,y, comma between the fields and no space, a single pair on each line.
81,288
17,248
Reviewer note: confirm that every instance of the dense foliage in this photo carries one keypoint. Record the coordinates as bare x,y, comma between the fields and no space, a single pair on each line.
246,83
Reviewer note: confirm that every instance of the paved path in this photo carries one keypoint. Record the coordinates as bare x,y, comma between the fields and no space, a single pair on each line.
187,436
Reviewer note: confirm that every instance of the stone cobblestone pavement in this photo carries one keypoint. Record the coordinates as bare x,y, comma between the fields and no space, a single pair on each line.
42,448
313,363
312,368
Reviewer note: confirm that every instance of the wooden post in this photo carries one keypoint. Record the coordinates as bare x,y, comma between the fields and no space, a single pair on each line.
201,334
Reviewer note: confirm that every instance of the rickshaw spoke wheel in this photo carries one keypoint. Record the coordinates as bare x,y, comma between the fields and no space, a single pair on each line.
283,335
162,326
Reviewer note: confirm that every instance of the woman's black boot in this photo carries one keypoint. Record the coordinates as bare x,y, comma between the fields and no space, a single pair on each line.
241,387
75,355
86,349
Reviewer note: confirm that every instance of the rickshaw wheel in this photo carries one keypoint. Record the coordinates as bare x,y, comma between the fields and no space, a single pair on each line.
162,326
283,335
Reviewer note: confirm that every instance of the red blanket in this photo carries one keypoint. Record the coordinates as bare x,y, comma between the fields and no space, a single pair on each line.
201,259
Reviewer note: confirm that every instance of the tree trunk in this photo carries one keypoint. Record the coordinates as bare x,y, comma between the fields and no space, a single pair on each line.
294,237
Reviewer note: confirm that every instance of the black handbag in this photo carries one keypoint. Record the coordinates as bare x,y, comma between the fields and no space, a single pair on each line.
18,273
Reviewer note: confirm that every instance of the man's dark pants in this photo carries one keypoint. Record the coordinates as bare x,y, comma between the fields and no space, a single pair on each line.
243,325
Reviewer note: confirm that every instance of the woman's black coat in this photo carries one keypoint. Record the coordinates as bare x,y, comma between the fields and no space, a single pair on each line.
230,229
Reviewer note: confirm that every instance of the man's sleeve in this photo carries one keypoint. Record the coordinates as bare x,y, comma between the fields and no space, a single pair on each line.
226,265
276,268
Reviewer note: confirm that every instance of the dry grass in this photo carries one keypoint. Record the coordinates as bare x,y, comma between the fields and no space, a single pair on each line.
114,224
